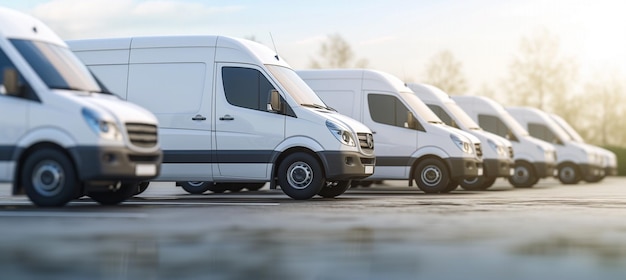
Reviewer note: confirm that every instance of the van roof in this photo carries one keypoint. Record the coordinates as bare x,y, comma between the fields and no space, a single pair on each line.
475,100
380,79
260,51
17,25
429,92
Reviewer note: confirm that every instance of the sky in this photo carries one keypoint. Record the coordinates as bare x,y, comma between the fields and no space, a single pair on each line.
395,36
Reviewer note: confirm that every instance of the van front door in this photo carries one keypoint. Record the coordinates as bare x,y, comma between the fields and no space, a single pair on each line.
387,116
246,131
13,122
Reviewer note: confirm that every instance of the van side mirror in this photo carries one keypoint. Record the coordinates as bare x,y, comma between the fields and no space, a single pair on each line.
11,81
410,120
275,104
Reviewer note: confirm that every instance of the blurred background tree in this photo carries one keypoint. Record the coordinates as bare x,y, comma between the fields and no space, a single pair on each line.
444,71
336,52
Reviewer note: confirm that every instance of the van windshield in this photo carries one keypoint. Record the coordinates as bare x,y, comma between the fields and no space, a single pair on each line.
568,129
296,87
513,125
462,117
420,108
57,66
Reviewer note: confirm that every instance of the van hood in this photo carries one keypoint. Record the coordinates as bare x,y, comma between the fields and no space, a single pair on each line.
357,126
543,144
493,137
112,106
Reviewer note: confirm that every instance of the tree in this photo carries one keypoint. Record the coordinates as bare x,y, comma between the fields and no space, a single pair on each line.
540,76
601,111
335,52
444,72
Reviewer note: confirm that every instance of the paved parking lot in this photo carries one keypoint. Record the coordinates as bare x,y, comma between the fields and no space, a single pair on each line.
387,231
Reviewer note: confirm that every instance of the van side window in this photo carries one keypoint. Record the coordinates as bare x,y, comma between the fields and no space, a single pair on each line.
5,63
441,113
26,91
245,87
387,109
543,132
496,126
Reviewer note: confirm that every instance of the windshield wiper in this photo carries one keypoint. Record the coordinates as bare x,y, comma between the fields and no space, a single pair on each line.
317,106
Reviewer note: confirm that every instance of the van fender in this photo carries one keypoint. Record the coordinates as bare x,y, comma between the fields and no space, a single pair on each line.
47,134
43,135
525,157
299,141
433,151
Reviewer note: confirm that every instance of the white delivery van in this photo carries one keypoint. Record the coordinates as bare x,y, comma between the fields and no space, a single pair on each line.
497,156
411,142
575,161
61,135
232,112
534,158
609,157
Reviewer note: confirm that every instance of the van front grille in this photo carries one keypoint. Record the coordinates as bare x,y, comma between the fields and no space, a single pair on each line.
142,135
366,141
479,150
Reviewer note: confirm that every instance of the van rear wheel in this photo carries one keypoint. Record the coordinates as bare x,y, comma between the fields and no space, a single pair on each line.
254,186
142,187
479,183
432,176
195,187
524,175
300,176
334,188
124,192
49,178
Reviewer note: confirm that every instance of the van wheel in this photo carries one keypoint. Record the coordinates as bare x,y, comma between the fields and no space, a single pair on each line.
300,176
523,176
568,174
196,187
254,186
222,187
594,179
142,187
431,176
126,191
49,179
479,183
334,188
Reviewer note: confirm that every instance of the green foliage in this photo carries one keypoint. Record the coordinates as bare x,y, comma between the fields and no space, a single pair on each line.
620,152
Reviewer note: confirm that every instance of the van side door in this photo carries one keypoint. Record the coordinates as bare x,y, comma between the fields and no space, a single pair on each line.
246,131
386,115
13,121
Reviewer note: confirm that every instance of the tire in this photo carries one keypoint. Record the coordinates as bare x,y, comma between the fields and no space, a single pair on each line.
254,186
452,185
142,187
300,176
222,187
334,188
366,184
479,183
569,174
196,187
524,176
594,179
49,178
432,176
126,191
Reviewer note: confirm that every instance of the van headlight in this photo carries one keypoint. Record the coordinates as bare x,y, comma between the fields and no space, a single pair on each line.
340,132
499,149
464,144
104,129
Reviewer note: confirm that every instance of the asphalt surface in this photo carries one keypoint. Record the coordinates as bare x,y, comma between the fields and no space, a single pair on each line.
387,231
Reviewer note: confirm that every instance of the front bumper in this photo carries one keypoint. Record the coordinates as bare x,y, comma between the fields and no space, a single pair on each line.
545,169
589,170
464,167
498,167
610,171
94,163
340,165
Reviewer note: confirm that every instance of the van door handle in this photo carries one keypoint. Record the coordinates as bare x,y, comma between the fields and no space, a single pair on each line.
198,118
226,118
